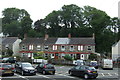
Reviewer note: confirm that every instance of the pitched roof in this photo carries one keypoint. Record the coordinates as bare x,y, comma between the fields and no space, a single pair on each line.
62,41
9,40
32,41
51,41
82,41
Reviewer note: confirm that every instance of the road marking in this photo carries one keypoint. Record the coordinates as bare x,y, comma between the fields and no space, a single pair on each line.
102,74
42,76
116,74
66,75
109,74
22,77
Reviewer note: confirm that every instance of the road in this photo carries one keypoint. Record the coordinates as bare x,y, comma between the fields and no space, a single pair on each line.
62,74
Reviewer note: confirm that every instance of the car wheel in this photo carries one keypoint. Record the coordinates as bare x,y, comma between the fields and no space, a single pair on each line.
86,76
22,73
70,73
44,72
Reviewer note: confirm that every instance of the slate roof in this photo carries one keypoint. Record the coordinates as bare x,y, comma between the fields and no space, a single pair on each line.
51,41
62,41
9,40
83,41
32,41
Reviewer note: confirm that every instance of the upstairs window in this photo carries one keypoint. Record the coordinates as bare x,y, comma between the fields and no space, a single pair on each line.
80,48
38,47
46,47
63,48
71,48
89,48
23,47
54,47
30,47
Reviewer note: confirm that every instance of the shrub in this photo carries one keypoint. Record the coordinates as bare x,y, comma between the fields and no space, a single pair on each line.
67,57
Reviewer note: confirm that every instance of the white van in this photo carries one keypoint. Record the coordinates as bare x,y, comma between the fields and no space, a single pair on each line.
107,64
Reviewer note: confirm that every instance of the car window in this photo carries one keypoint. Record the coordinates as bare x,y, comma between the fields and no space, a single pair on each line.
49,65
77,67
91,68
5,58
41,65
7,65
82,67
26,65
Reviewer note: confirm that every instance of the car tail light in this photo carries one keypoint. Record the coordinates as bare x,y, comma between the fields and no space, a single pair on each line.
89,71
44,66
1,68
13,68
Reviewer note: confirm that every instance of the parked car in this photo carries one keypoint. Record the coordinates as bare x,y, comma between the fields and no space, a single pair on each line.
94,64
25,68
45,68
83,71
107,64
8,59
6,69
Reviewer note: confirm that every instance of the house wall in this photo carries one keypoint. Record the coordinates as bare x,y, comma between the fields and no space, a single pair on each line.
116,51
16,47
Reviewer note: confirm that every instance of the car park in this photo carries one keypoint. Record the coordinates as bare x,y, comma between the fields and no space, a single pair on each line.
25,68
8,60
6,69
45,68
84,71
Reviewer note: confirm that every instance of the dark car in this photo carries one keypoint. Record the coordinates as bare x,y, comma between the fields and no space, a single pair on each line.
94,64
45,68
6,69
25,68
8,59
84,71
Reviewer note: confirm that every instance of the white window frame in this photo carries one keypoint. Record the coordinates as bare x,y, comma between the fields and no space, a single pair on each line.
46,47
23,47
89,48
62,49
38,47
71,48
80,47
54,47
30,47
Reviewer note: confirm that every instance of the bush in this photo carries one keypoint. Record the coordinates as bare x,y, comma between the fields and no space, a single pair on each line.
67,57
38,57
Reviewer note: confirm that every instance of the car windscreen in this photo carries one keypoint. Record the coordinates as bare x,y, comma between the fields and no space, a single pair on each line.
5,58
26,65
6,66
49,65
91,68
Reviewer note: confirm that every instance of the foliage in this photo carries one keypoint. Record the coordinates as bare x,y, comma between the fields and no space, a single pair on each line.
92,56
67,57
38,57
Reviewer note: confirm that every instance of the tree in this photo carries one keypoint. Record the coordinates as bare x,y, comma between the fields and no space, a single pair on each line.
14,21
26,24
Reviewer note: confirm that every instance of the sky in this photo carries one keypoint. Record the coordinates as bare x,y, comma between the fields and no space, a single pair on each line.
38,9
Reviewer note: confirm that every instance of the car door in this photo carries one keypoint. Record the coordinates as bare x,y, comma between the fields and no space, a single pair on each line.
41,66
82,70
76,70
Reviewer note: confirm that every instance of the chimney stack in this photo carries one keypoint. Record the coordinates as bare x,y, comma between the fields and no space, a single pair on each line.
69,35
46,36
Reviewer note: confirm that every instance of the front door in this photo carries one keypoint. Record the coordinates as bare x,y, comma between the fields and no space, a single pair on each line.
56,55
78,56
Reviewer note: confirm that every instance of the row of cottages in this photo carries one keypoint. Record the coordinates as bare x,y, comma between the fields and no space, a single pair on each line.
57,48
116,50
10,43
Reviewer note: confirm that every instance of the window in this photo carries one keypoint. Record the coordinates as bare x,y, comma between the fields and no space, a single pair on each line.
71,48
38,47
89,48
80,48
63,48
23,47
6,46
30,47
46,47
54,47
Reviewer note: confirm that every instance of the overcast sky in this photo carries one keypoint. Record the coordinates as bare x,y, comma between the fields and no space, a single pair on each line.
38,9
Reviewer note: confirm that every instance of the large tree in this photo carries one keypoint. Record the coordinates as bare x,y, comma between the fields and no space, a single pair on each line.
15,21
